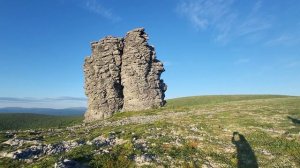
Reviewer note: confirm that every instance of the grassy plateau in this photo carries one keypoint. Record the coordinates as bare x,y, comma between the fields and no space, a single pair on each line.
204,131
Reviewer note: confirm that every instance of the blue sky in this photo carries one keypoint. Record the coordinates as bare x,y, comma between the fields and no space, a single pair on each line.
207,46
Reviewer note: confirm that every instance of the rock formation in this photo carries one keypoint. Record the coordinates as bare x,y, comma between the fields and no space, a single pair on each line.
140,73
121,75
102,78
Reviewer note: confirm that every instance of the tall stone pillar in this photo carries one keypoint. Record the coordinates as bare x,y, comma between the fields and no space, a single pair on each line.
141,71
102,79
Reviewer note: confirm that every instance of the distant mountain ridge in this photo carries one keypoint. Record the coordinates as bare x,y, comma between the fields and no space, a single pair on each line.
73,111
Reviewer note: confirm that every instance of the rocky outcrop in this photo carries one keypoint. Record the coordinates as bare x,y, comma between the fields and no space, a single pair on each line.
102,78
40,149
122,74
140,73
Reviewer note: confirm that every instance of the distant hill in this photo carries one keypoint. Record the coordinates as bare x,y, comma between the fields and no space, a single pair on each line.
76,111
16,121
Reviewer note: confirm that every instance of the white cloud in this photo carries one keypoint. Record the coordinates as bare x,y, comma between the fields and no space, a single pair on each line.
284,40
253,25
204,13
95,7
225,21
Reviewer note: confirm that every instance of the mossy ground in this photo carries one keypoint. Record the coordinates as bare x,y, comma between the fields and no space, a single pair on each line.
197,132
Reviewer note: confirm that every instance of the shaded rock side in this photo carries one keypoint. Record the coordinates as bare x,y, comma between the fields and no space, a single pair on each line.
102,79
141,71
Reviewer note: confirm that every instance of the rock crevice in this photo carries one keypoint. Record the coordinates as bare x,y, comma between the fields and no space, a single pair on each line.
122,74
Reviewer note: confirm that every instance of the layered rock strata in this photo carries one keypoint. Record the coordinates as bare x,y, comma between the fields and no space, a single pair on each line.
121,75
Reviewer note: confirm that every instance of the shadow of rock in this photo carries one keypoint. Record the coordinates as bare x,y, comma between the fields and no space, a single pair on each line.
245,155
294,120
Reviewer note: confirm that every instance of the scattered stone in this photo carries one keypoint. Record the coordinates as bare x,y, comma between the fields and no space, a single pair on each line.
103,142
66,163
195,129
28,153
144,159
39,150
20,142
9,134
140,144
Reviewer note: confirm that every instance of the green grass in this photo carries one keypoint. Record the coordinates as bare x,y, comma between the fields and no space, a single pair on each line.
201,134
189,103
215,99
262,119
22,121
118,157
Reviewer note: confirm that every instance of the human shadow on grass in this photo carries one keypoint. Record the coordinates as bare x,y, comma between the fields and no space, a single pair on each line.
294,120
245,155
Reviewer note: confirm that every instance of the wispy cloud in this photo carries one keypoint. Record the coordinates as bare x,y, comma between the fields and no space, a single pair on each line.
284,40
242,61
223,19
96,7
293,64
254,22
205,13
257,6
253,25
57,102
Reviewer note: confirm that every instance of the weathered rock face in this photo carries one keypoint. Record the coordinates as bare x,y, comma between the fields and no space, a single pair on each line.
140,73
102,79
122,74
